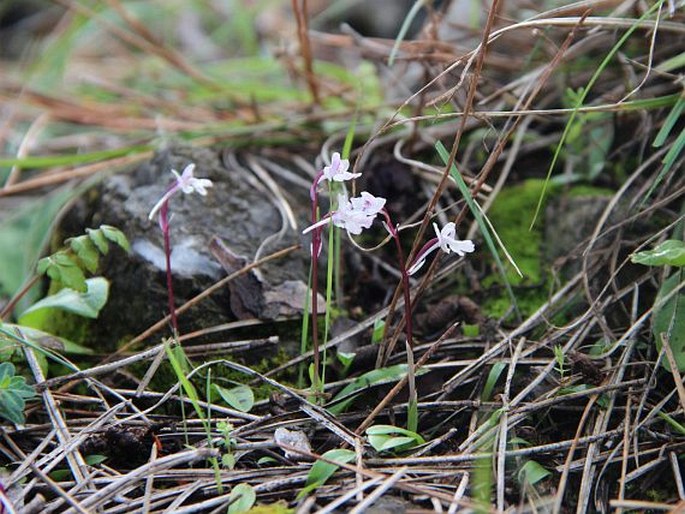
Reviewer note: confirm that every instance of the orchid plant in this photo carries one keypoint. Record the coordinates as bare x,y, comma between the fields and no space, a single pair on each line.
354,215
186,183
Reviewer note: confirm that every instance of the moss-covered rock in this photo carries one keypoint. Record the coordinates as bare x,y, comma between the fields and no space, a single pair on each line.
568,218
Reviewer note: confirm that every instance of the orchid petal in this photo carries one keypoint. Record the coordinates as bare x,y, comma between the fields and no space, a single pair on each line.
337,170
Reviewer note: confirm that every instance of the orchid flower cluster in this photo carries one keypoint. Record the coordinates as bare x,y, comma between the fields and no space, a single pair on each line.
186,183
358,213
354,215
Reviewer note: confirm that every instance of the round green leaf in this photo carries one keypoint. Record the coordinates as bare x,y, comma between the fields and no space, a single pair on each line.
669,253
87,304
240,398
242,499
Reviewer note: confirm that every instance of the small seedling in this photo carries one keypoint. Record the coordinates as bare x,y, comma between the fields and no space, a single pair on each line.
560,359
322,470
387,438
668,319
225,428
67,266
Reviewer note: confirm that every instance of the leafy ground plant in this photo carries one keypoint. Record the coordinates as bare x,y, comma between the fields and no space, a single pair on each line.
14,391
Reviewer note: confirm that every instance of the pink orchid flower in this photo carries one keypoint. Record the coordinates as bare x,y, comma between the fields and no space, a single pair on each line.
353,215
446,240
337,171
185,182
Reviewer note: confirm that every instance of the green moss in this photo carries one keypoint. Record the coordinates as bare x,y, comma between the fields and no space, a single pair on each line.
511,215
585,190
69,326
528,301
165,377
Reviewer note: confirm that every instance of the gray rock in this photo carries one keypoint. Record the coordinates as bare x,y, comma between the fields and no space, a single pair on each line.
232,211
569,223
388,505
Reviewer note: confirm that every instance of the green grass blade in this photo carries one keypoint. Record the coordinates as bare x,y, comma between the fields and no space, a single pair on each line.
17,335
668,162
305,327
669,122
581,99
176,357
482,224
69,160
404,29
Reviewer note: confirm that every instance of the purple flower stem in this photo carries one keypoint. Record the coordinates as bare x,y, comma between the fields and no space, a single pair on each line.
164,225
405,276
316,248
412,416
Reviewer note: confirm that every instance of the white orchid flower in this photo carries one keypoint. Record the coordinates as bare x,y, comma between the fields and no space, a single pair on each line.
337,171
185,182
446,240
354,214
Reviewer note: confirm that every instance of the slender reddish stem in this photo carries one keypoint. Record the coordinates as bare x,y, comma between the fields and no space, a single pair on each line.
164,225
412,408
316,248
7,310
405,276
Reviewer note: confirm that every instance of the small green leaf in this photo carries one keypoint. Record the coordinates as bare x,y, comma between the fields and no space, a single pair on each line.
94,460
86,251
61,267
43,266
228,460
572,389
346,396
378,329
73,278
321,471
60,475
14,391
669,253
532,472
266,460
240,398
242,499
669,319
493,376
87,304
515,442
99,240
346,358
387,437
116,236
